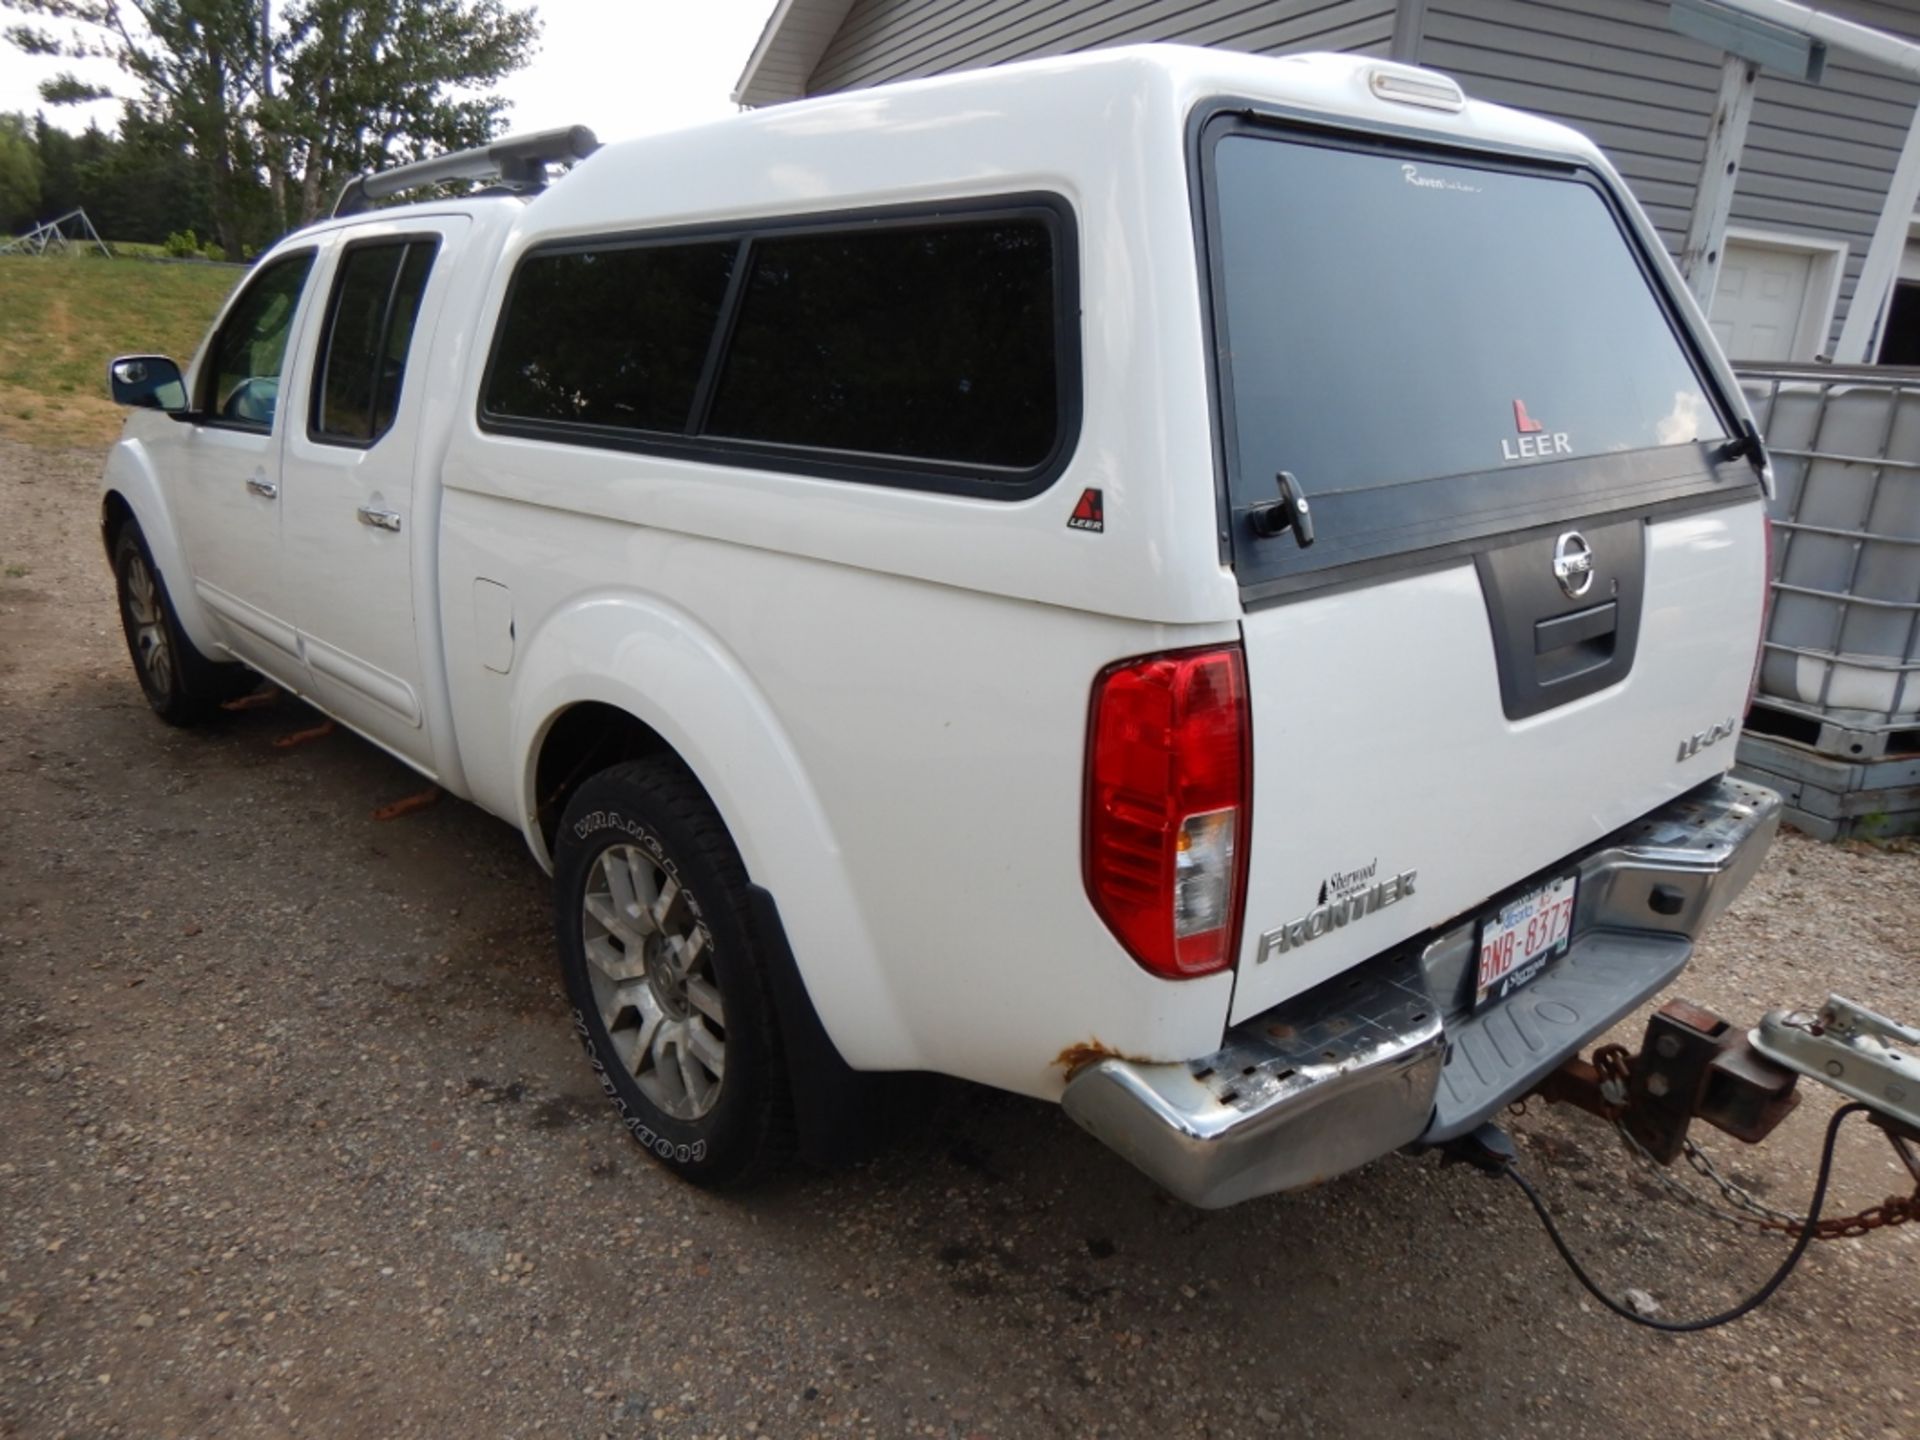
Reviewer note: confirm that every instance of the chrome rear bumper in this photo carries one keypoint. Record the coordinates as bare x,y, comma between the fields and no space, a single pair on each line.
1388,1054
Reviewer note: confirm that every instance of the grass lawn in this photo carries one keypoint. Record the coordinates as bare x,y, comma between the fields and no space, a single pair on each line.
62,318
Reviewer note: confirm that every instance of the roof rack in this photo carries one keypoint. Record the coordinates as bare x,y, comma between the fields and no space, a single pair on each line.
519,162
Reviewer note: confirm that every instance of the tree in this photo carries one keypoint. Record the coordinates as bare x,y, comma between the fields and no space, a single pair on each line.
143,186
59,168
19,176
139,185
369,83
196,62
304,98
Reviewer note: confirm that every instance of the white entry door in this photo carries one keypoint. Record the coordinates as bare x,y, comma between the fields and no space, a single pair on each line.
1759,301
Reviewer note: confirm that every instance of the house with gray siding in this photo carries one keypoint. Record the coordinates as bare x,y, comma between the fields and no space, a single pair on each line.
1814,179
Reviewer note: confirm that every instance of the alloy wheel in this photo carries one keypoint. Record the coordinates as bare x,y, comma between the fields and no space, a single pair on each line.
147,622
649,958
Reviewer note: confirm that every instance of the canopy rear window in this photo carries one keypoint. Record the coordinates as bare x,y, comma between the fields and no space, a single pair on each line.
1438,349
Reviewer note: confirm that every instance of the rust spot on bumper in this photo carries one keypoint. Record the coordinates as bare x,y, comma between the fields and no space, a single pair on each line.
1091,1051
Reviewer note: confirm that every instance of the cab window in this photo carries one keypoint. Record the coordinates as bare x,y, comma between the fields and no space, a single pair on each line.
242,386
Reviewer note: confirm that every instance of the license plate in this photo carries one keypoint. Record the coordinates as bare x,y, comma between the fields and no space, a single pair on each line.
1517,941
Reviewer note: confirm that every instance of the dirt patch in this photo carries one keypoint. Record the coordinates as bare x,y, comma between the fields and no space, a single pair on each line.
297,1141
30,415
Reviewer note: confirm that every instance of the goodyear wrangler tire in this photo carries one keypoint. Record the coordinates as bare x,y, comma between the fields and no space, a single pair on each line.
668,995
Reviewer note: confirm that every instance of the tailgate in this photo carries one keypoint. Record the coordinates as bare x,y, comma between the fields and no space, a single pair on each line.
1392,792
1528,609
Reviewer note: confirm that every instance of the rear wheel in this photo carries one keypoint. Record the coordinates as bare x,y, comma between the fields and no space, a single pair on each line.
182,686
669,996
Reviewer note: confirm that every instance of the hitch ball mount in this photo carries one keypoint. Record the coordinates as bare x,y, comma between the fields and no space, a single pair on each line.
1693,1064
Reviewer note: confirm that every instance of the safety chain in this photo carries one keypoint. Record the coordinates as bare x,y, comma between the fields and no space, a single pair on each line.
1756,1209
1615,1066
1614,1063
1894,1210
1750,1213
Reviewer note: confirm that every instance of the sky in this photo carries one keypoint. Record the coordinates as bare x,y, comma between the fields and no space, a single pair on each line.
623,67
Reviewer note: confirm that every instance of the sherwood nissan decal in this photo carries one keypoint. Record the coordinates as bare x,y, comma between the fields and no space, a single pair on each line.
1352,898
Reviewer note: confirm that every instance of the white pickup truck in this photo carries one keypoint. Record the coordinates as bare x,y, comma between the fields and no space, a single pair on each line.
1215,590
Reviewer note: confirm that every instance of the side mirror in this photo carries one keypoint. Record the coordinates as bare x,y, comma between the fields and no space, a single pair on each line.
152,382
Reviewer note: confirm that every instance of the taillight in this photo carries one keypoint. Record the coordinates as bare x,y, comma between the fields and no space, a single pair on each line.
1766,607
1168,807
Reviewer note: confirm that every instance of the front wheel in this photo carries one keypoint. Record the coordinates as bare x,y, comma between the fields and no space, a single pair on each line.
182,686
669,997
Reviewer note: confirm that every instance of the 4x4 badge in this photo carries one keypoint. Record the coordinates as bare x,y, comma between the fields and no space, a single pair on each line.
1089,514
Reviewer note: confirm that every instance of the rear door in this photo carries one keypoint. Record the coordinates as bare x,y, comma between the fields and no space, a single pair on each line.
355,538
1533,573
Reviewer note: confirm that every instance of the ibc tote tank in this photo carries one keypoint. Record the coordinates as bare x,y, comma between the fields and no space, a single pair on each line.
1843,643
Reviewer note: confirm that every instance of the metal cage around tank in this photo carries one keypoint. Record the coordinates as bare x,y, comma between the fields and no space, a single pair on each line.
1837,709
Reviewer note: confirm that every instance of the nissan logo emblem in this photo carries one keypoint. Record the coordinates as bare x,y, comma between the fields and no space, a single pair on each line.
1573,564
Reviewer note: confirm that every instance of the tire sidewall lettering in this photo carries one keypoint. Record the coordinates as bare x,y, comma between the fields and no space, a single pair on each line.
649,809
675,1152
627,828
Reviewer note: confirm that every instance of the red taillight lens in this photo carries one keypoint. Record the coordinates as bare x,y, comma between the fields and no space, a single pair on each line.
1766,608
1168,808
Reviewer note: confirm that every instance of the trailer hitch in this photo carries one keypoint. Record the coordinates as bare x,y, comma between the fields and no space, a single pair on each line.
1693,1065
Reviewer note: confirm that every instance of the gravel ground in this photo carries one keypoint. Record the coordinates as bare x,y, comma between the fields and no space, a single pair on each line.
297,1141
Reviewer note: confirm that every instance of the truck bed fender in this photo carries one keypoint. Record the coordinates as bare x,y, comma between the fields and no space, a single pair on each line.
131,476
660,666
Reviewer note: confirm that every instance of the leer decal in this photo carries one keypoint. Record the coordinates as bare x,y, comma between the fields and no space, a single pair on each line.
1089,514
1535,443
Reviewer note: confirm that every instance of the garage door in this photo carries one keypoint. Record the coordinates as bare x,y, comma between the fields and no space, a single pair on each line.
1758,302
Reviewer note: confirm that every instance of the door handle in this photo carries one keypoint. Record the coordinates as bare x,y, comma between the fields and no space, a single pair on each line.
266,489
379,519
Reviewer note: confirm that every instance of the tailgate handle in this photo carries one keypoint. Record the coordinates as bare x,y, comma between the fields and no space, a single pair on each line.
1565,630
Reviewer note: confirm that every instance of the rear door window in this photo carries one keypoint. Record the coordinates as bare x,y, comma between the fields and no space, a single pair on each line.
363,353
1436,349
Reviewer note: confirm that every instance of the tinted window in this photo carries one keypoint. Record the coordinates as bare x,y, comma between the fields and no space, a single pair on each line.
411,286
244,364
1390,321
370,320
613,337
935,342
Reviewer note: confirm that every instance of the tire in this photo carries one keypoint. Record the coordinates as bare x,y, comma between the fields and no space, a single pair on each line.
182,686
669,995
